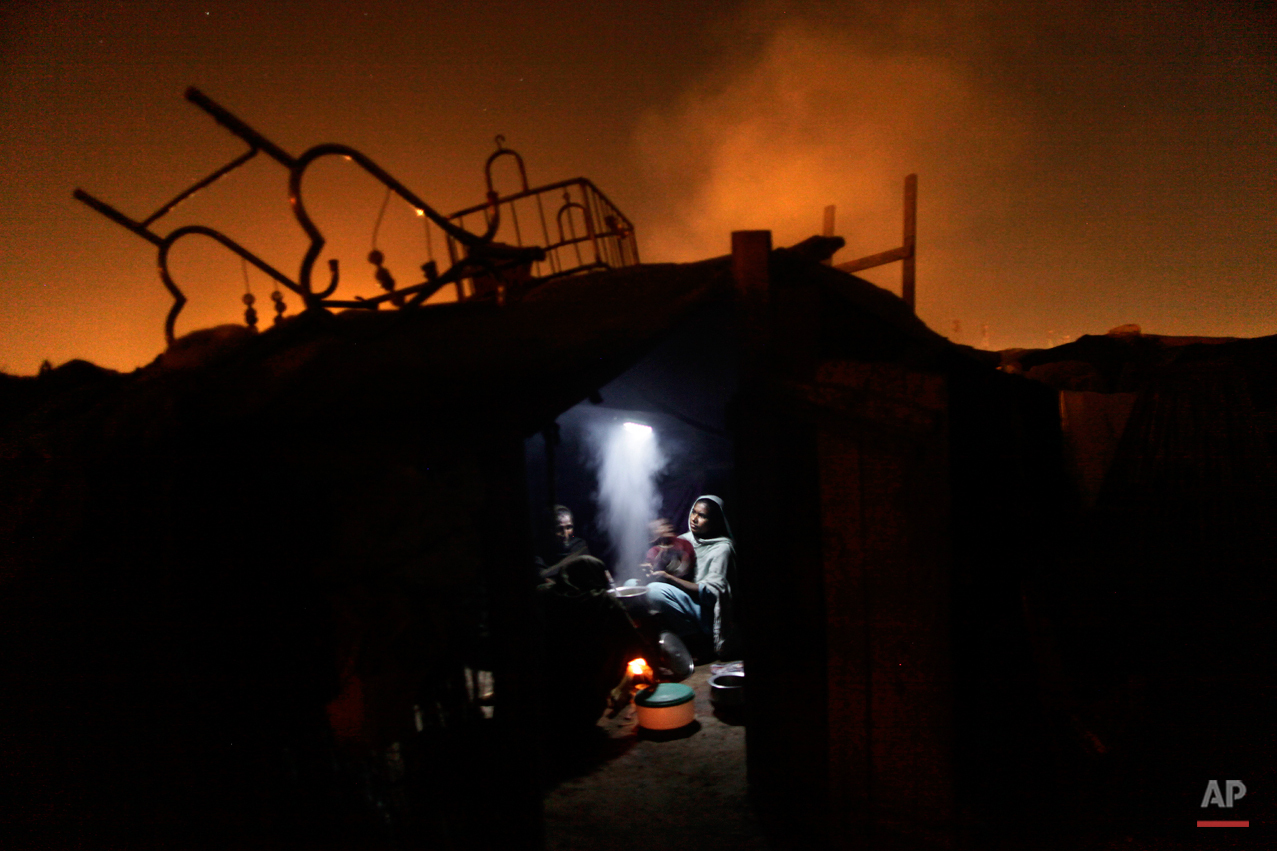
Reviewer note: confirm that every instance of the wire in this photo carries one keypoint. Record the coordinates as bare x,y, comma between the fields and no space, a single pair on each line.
380,213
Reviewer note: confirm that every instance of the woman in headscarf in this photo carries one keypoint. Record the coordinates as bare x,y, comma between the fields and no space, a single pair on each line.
700,609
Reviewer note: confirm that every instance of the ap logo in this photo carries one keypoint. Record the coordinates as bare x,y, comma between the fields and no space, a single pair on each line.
1234,790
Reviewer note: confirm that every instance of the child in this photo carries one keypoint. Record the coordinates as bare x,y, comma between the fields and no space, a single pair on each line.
668,553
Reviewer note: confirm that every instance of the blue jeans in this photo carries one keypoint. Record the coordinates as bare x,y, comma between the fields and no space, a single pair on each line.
687,615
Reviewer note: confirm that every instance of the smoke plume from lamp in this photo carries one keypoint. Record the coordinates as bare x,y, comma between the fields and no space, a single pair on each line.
629,460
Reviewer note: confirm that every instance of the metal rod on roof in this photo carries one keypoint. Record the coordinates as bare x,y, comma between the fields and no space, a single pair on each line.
224,117
211,179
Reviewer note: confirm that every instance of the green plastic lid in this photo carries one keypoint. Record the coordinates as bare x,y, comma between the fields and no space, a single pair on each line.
665,694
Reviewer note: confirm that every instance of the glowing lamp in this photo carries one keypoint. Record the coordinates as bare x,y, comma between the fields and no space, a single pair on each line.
637,429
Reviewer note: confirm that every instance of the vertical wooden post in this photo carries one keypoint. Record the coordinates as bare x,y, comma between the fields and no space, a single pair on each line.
751,253
750,274
551,437
515,777
777,485
910,242
828,229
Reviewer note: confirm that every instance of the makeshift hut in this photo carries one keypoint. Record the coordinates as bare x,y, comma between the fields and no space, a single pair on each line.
249,590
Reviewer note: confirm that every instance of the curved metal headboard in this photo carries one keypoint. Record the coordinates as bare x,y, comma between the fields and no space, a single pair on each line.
480,251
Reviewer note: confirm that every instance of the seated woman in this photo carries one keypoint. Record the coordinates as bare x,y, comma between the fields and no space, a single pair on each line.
699,609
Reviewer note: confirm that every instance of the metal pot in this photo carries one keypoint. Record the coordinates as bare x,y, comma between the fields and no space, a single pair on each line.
727,691
632,597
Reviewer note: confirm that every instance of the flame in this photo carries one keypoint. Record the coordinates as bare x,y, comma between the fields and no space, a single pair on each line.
639,668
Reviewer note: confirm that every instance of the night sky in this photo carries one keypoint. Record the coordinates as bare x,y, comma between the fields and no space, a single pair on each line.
1081,165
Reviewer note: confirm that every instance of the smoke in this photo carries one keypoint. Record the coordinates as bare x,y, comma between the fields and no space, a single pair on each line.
831,117
629,459
1061,187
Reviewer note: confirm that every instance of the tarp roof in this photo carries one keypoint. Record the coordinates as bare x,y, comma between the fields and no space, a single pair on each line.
458,365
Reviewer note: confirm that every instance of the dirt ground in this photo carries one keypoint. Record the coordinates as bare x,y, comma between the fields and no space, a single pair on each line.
677,792
689,792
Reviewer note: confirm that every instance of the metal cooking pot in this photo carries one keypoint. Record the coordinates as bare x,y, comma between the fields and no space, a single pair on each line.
727,691
633,597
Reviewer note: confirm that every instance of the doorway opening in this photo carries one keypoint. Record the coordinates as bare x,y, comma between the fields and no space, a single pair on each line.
645,447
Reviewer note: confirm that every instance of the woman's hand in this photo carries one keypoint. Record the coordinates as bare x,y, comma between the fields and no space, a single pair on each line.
663,576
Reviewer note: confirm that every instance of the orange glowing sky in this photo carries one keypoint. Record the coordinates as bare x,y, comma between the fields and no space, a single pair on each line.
1081,165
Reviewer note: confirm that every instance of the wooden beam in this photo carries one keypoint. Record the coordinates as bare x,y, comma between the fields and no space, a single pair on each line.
882,258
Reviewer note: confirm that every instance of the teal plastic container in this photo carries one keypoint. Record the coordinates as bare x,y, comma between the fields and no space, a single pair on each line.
668,706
